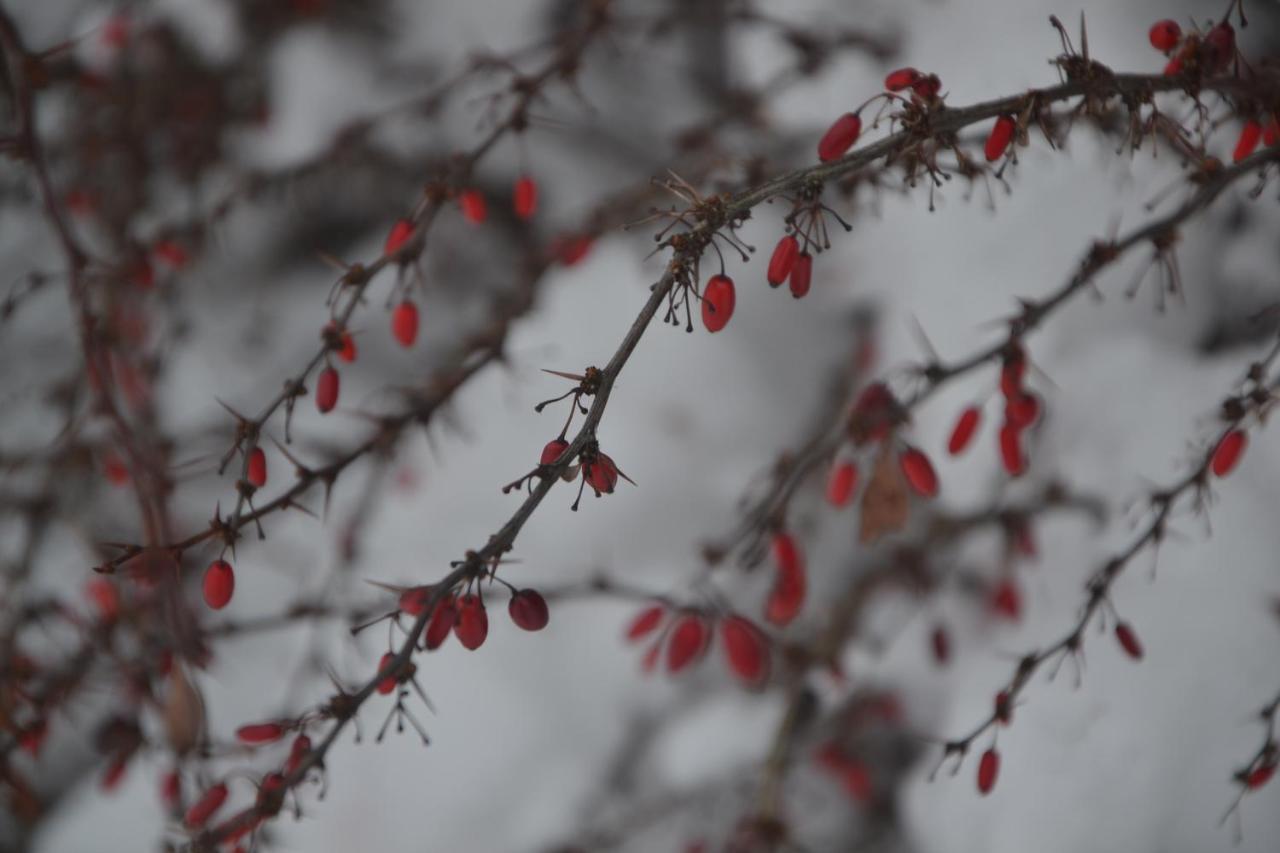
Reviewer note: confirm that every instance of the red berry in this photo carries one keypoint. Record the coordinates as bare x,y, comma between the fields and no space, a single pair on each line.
898,80
746,649
1022,409
688,641
646,622
171,253
552,451
347,352
105,596
801,275
940,642
414,600
788,593
474,207
966,426
717,302
841,484
297,752
927,86
1012,371
446,613
1165,35
1271,133
988,769
528,609
601,474
387,685
1000,137
401,231
571,250
1128,640
256,470
472,625
1174,67
1250,135
524,199
1220,46
1011,456
260,732
783,259
327,390
404,323
919,472
1259,776
219,584
1006,600
839,138
1228,452
203,809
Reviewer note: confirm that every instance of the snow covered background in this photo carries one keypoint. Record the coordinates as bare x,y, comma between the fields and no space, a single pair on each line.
1138,758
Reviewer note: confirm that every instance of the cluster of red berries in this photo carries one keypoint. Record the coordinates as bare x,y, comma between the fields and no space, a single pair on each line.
875,416
1022,410
466,618
687,637
1194,52
791,264
845,130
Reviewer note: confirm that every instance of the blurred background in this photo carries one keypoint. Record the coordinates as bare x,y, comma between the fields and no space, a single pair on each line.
256,135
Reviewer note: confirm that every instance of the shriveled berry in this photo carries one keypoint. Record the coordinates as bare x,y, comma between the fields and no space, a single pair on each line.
472,625
782,260
875,413
687,642
718,300
601,474
842,483
919,472
256,470
999,138
746,649
413,600
839,138
1250,135
1013,369
988,770
898,80
1220,46
327,390
1165,35
552,451
1128,640
1228,452
474,207
219,584
1003,708
524,198
528,609
801,275
646,622
927,86
404,323
260,733
962,433
401,231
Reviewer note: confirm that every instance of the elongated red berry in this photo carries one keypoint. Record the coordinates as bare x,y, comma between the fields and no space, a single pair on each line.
1250,135
842,483
404,323
472,625
988,770
219,584
474,207
387,684
552,450
746,649
801,275
999,138
1271,132
260,733
1259,776
442,620
601,474
570,251
528,609
919,472
840,137
256,470
1011,455
646,622
1006,600
327,390
1128,640
1013,369
347,352
782,260
718,300
898,80
297,752
791,583
401,231
205,807
940,644
687,642
962,433
524,198
1165,35
1228,452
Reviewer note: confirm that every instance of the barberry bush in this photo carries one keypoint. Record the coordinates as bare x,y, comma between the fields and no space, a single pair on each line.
600,424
